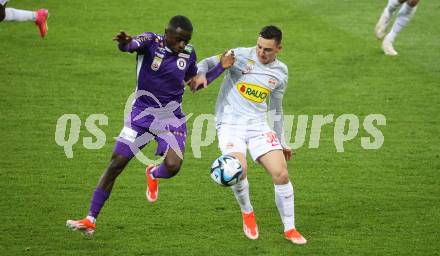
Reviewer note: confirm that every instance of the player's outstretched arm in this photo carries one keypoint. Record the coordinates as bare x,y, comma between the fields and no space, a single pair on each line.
198,82
126,42
122,38
208,63
202,80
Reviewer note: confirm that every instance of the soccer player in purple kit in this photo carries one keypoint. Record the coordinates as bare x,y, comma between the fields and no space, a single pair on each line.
165,63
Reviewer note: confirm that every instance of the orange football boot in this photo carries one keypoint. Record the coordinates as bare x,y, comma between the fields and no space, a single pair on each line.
250,227
152,185
41,21
84,225
294,236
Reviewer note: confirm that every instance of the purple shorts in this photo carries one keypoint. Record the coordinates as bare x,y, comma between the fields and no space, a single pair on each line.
168,129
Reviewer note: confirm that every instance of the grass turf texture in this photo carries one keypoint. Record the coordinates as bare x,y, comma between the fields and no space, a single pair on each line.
360,202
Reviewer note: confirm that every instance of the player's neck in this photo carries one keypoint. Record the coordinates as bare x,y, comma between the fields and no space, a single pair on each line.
267,63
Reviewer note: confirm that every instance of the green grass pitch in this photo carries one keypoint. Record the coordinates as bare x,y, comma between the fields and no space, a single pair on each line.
359,202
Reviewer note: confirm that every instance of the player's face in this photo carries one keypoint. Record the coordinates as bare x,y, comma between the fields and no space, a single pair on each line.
177,39
267,50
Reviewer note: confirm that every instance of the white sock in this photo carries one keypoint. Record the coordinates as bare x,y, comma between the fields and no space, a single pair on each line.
284,199
91,218
241,192
405,14
391,7
12,14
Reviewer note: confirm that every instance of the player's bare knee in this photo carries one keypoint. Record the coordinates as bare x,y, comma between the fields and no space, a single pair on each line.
244,168
173,167
413,3
281,177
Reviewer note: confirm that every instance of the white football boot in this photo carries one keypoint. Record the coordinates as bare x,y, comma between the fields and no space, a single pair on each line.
388,49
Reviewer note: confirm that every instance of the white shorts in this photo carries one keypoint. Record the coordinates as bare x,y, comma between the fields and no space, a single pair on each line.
3,2
258,139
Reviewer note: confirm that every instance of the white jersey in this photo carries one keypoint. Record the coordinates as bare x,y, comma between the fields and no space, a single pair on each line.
247,86
3,2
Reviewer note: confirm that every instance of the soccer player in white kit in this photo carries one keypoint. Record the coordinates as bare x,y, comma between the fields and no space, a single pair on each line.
39,17
406,12
241,118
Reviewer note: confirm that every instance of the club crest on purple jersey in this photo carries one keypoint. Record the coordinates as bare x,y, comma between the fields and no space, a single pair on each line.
181,63
155,65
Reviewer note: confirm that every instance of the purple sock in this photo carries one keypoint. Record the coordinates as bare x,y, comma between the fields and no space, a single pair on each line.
97,202
161,172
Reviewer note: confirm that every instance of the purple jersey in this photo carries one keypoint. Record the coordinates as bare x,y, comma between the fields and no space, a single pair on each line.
160,71
157,113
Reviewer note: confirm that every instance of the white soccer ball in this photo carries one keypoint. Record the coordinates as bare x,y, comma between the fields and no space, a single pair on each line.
226,170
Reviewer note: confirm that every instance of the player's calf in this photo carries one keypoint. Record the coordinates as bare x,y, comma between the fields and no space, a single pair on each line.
381,26
2,13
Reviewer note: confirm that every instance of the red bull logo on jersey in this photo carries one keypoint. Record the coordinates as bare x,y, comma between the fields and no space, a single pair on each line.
272,82
253,92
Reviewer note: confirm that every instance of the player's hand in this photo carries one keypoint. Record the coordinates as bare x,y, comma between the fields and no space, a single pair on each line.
198,81
122,38
287,153
227,59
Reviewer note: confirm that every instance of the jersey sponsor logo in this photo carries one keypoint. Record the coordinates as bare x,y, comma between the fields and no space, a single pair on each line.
181,63
188,48
155,65
253,92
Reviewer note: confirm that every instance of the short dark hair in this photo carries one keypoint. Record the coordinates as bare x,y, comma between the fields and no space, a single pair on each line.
272,32
182,22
